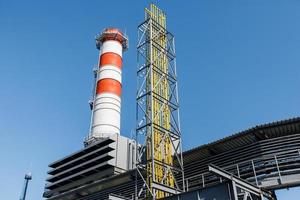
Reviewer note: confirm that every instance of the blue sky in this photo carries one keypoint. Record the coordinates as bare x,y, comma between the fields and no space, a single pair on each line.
237,61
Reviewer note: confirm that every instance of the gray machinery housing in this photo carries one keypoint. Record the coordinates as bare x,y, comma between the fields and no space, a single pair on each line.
104,158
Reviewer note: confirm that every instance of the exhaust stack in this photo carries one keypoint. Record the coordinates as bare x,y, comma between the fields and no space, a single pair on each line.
106,105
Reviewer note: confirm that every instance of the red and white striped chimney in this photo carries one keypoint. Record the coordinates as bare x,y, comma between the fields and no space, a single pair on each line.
107,102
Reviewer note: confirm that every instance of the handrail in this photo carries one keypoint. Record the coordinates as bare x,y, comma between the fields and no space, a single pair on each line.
257,166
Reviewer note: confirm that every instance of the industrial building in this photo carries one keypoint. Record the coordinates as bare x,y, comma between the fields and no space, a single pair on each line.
251,164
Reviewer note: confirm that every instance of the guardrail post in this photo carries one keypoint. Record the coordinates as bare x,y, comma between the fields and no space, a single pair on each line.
203,181
238,170
235,195
187,184
254,173
262,197
279,174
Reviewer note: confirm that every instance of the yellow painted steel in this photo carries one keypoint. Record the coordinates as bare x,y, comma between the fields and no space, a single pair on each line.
159,109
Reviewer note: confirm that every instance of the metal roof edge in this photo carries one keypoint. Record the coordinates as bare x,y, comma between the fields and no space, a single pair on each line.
245,132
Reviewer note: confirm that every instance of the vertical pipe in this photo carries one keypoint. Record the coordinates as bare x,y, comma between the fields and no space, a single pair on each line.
152,113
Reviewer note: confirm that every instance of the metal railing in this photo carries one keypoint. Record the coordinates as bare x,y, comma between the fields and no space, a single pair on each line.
266,171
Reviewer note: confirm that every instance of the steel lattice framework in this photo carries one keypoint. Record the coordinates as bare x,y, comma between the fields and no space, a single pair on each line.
158,127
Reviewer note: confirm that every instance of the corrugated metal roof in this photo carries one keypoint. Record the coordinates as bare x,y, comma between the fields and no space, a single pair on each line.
249,136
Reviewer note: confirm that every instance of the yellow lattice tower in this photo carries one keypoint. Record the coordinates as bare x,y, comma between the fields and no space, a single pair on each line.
158,109
162,148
